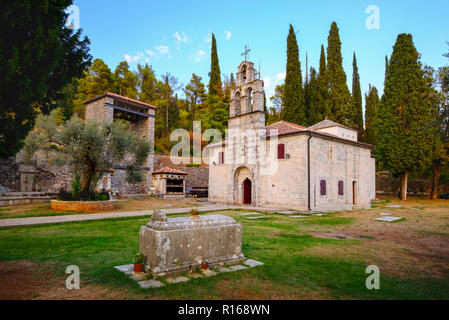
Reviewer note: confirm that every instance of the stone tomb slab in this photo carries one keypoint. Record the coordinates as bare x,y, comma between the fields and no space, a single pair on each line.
150,284
256,218
394,206
126,268
298,216
237,267
252,263
249,213
388,219
177,279
385,214
287,212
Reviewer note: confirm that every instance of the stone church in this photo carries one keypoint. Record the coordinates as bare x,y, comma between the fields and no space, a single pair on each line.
285,165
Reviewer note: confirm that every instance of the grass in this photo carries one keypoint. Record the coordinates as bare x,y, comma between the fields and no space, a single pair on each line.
282,243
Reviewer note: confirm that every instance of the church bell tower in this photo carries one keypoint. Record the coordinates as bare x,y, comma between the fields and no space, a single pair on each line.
247,98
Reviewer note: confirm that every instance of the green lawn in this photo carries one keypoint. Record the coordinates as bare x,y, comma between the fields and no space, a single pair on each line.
279,242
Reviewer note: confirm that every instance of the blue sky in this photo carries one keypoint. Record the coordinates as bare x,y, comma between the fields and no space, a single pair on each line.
174,36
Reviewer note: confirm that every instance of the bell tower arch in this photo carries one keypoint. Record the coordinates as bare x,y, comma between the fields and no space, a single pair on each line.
247,98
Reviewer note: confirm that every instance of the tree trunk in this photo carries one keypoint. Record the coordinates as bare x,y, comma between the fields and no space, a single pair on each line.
436,170
403,192
87,177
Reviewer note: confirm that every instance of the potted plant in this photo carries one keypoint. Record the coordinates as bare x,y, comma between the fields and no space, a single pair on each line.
204,266
195,213
139,261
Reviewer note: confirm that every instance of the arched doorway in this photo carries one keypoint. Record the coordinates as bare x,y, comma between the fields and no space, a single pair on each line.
243,186
247,191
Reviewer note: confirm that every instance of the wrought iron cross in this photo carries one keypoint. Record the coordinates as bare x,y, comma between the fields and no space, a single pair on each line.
247,50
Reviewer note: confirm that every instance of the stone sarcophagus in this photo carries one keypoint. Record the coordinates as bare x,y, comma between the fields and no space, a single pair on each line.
175,245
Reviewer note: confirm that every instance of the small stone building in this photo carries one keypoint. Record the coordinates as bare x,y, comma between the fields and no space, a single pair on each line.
110,106
285,165
170,183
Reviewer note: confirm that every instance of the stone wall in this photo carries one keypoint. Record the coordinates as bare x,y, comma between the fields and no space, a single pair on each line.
391,185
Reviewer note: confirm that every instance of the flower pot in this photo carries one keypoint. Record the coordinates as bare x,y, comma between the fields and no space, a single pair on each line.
138,267
204,266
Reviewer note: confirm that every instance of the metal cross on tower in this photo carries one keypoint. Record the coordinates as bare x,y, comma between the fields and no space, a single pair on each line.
247,50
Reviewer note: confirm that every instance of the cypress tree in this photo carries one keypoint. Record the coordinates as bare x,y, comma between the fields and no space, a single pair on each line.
340,97
215,80
371,106
311,99
357,120
323,104
406,134
294,109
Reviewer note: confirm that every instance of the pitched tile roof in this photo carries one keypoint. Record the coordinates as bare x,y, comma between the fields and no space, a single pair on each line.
328,123
169,171
283,128
121,98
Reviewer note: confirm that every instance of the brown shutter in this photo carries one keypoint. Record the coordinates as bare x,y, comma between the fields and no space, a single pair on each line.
221,158
323,187
281,151
340,188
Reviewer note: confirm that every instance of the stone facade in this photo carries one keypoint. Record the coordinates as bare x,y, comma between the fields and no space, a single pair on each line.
141,117
247,169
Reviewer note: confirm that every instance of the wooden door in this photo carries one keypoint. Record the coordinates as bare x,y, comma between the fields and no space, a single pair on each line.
354,193
247,191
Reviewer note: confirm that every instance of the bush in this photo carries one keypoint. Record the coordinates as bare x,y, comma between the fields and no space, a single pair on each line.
63,195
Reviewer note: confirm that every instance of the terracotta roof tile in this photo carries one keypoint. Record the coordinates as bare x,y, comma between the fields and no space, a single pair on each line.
119,97
169,170
283,128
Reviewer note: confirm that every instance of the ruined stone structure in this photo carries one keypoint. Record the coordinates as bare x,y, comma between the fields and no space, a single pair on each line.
285,165
110,106
176,245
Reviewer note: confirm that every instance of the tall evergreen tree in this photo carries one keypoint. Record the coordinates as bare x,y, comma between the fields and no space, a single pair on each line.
293,99
357,119
406,131
323,103
215,87
371,106
195,95
147,83
97,80
39,56
125,81
340,97
311,99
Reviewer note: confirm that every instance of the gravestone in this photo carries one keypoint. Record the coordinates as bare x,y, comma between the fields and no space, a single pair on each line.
176,245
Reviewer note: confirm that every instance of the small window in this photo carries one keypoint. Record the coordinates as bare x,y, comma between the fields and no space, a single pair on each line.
340,188
323,187
221,158
281,151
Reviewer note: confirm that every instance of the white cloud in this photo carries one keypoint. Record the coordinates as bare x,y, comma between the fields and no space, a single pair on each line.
200,55
150,53
267,82
228,35
180,38
162,49
280,76
131,59
209,37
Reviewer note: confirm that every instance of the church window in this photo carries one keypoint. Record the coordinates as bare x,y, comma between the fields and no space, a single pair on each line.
323,187
238,110
249,100
340,188
244,73
281,151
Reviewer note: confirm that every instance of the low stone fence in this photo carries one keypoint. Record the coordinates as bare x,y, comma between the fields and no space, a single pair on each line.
82,206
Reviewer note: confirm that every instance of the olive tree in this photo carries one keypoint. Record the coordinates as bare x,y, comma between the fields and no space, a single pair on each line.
89,148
